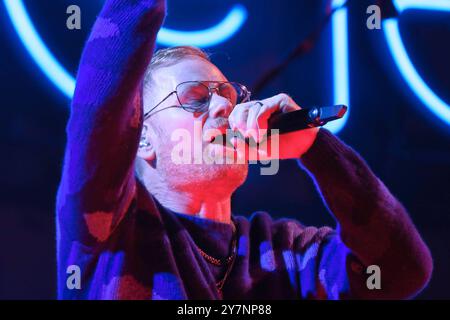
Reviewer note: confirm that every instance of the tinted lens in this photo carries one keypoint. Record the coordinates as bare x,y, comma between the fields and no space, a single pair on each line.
229,92
193,95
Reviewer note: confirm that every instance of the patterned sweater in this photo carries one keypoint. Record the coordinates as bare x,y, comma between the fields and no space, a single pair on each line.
127,246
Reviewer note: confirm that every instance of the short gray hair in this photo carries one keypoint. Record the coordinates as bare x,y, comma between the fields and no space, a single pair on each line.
170,56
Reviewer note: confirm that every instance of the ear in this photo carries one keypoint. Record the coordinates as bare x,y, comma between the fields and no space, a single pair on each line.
146,150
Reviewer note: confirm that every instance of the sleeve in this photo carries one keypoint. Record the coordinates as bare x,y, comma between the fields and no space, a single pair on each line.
373,228
103,131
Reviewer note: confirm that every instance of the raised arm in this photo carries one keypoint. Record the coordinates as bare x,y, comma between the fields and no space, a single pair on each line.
106,118
372,223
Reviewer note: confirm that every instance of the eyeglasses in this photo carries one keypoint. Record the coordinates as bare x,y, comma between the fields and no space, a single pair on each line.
195,96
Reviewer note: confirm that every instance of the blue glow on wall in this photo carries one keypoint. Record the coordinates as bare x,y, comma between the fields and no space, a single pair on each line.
434,5
215,35
37,49
409,73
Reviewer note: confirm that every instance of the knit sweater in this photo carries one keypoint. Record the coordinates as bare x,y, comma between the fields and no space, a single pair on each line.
128,246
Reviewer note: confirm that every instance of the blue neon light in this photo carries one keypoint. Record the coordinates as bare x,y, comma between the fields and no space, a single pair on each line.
65,82
436,5
221,32
341,87
37,49
402,60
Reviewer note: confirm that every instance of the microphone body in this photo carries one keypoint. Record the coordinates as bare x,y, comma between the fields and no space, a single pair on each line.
305,118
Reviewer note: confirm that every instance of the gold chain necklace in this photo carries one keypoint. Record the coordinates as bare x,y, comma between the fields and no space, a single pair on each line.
228,261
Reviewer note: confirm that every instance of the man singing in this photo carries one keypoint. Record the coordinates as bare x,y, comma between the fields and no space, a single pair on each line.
134,224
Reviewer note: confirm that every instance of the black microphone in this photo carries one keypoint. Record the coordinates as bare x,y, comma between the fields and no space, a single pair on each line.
305,118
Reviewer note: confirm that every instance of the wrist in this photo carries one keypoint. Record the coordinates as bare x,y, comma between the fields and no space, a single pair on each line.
311,140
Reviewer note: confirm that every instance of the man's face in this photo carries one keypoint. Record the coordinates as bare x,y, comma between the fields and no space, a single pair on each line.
167,123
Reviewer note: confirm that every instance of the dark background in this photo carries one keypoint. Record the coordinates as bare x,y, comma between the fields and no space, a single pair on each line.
406,146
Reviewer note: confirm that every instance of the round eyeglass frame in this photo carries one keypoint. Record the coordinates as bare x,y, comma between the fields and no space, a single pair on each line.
205,106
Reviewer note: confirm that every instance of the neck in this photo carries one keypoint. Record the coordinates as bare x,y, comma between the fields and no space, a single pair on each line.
205,205
195,205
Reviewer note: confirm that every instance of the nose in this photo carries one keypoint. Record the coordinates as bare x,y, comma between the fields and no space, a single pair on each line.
219,107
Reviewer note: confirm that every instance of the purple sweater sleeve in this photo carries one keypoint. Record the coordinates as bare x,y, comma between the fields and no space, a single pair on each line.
106,118
372,223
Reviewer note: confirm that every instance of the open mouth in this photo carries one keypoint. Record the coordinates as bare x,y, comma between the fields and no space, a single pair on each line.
229,140
222,139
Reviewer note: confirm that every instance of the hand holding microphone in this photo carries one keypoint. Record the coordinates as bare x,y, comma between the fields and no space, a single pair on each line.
297,127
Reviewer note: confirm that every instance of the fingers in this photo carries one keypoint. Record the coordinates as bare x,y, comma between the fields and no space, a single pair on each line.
282,102
252,125
243,119
239,117
251,118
